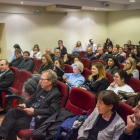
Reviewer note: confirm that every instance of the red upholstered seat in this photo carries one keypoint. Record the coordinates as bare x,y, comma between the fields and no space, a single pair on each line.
104,63
68,68
109,77
86,62
34,61
104,50
25,132
38,64
138,59
72,59
123,59
124,110
127,54
134,84
120,66
138,68
82,53
86,72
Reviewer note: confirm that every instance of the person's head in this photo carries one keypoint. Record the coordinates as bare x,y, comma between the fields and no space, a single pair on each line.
48,51
121,77
128,42
120,50
57,52
107,101
16,46
60,43
98,45
77,58
112,61
98,70
78,44
46,59
107,40
36,48
4,65
125,47
89,50
48,79
26,55
115,51
132,55
118,46
91,41
77,67
136,47
59,63
135,51
100,50
130,65
110,48
18,53
67,57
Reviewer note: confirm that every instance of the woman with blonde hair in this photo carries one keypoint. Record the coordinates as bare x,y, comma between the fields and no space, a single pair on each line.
47,63
77,49
36,53
130,67
97,81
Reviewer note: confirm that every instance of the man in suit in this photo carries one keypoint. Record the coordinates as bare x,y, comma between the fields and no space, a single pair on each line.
89,55
115,54
43,102
27,63
57,54
92,45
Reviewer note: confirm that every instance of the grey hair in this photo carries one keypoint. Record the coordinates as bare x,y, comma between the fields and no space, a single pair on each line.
49,49
59,50
51,76
91,48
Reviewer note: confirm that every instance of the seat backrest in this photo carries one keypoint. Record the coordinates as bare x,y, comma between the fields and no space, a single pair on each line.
123,59
86,62
80,100
104,63
127,54
72,59
63,88
138,68
104,50
82,53
52,54
68,68
86,72
124,110
109,77
134,84
23,77
138,59
16,73
120,66
38,65
34,61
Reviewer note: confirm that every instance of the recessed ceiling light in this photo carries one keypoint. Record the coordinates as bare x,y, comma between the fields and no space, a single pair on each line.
21,2
95,8
132,0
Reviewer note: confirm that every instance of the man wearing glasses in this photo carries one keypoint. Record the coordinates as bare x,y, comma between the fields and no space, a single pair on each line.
132,130
45,101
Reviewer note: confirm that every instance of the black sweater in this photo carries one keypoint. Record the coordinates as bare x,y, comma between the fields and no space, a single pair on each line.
47,67
16,62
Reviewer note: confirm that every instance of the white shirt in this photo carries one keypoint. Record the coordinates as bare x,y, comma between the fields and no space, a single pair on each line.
116,88
38,55
93,46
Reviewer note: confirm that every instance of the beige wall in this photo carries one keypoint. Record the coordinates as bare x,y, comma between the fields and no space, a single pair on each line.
28,29
123,26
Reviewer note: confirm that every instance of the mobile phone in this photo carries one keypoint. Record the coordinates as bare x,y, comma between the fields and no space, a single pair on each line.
21,107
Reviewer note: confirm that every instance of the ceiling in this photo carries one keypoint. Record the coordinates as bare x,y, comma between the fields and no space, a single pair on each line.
85,4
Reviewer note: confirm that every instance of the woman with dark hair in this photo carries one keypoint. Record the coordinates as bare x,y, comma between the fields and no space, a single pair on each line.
36,53
137,52
112,65
67,59
77,58
16,46
120,82
104,123
131,55
109,50
108,43
126,48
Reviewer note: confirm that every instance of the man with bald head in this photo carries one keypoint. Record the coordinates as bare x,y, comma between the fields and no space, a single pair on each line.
89,55
48,51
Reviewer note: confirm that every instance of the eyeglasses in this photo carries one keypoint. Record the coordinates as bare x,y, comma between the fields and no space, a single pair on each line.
43,79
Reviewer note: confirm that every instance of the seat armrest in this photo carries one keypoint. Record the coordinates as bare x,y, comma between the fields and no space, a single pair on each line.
12,97
40,119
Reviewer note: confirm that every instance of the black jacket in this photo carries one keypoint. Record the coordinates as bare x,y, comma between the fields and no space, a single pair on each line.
26,65
68,62
89,56
135,135
16,62
119,57
112,70
106,46
50,105
63,51
101,56
95,86
47,67
48,129
6,79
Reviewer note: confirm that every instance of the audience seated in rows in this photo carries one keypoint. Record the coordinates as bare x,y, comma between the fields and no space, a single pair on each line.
17,60
75,79
19,119
48,51
47,63
36,53
57,55
61,47
121,52
77,49
109,50
137,52
67,59
77,58
97,81
112,65
16,46
89,55
129,44
26,63
120,82
130,67
104,123
92,45
100,55
131,55
107,44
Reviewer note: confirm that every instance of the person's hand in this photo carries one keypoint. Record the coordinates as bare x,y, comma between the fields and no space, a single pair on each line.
54,68
30,111
112,84
65,79
83,88
131,125
22,105
76,86
96,54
